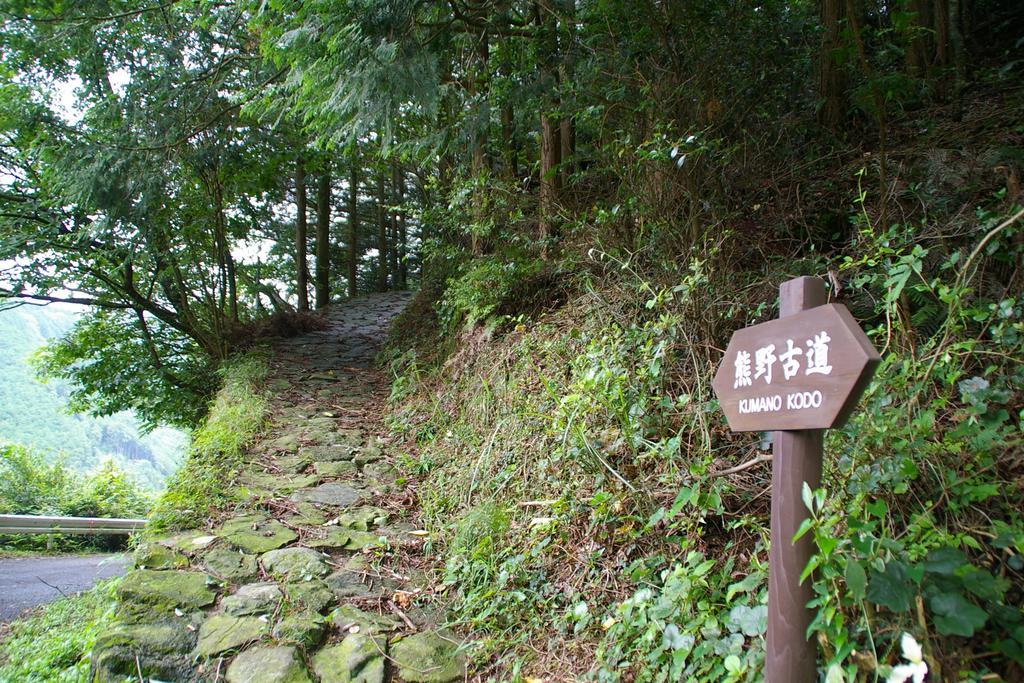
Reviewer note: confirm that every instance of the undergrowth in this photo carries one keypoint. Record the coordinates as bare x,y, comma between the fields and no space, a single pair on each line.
591,515
48,645
216,454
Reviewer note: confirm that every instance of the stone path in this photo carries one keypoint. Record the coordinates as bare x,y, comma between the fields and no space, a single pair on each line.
308,579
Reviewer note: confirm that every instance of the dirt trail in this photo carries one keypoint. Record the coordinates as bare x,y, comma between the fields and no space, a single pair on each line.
309,578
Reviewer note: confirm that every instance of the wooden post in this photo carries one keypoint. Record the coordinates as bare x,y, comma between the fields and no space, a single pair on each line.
791,657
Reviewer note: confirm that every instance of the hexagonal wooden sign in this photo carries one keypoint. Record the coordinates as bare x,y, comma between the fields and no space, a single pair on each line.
804,371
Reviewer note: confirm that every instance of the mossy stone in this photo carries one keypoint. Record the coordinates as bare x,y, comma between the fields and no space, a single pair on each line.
156,638
311,596
332,493
307,514
256,534
346,539
293,464
428,657
347,616
174,588
338,468
295,563
380,472
223,632
255,598
268,665
188,541
329,453
305,629
231,565
400,535
357,659
286,442
347,584
368,454
156,556
363,519
279,484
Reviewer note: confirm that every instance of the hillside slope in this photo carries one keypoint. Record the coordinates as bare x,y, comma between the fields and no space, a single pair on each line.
35,414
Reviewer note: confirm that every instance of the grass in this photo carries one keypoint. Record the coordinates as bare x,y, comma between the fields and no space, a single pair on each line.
53,643
218,447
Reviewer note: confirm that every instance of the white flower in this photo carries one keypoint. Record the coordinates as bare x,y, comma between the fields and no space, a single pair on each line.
915,669
911,649
905,672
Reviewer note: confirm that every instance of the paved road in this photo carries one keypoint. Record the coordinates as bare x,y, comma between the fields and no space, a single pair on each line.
23,580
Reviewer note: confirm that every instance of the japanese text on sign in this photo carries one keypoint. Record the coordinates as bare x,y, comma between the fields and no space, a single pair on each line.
765,359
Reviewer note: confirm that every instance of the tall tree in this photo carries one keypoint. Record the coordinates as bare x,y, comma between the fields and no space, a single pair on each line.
323,237
382,234
393,256
550,126
353,226
831,74
402,238
301,235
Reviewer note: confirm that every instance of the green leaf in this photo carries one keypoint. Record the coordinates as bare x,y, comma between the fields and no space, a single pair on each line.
945,560
703,568
671,638
751,581
877,508
890,588
812,564
955,615
856,579
805,526
682,498
807,496
826,543
835,674
751,621
984,585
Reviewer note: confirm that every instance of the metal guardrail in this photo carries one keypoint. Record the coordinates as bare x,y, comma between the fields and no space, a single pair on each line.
32,524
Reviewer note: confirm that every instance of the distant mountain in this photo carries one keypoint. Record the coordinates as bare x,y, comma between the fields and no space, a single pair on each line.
35,414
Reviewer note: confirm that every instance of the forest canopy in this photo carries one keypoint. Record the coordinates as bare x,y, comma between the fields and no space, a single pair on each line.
605,190
162,162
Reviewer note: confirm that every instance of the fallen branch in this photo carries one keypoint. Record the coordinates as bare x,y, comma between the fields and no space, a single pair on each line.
762,457
401,615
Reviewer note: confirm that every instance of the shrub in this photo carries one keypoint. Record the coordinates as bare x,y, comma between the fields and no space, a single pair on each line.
217,451
31,486
52,644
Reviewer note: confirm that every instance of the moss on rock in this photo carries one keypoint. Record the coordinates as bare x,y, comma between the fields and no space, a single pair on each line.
268,665
256,533
189,590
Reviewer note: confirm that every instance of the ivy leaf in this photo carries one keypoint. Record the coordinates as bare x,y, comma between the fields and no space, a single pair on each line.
891,587
945,560
955,615
751,621
856,579
672,639
751,581
984,585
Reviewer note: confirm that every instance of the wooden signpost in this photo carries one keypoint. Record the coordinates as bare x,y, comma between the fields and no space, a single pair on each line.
795,376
